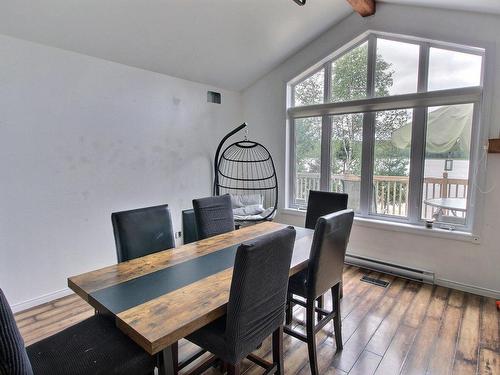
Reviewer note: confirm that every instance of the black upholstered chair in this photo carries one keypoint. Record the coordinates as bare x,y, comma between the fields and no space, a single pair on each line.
94,346
322,203
142,232
13,356
214,215
323,273
256,306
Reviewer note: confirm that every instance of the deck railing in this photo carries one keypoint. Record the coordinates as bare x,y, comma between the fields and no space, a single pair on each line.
390,192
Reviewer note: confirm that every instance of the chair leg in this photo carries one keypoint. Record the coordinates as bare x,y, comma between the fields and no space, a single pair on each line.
321,304
337,320
278,350
233,369
311,337
289,309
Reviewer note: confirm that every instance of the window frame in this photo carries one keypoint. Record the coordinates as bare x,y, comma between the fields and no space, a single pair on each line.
418,101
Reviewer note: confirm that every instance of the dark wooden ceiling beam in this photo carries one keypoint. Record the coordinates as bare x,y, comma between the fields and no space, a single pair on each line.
364,7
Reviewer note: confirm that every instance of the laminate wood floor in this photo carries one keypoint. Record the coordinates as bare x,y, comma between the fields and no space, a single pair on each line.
406,328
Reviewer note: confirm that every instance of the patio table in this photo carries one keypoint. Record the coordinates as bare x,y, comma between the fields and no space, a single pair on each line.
452,204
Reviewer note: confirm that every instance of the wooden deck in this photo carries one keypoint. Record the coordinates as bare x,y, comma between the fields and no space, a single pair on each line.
407,328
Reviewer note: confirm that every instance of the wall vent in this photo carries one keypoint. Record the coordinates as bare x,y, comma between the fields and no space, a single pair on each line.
214,97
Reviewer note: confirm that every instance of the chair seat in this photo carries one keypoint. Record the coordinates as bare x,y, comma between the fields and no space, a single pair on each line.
94,346
297,284
212,338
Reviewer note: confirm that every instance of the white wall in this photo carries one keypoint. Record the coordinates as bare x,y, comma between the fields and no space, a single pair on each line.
468,264
82,137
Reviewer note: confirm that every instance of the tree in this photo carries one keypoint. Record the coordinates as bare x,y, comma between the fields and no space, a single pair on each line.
308,130
349,82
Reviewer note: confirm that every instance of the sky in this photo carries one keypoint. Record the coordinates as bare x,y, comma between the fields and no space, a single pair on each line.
447,69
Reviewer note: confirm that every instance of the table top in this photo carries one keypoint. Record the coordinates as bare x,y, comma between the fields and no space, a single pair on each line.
160,298
454,204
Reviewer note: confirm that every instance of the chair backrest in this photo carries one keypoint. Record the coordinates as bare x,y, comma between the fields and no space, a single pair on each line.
142,232
322,203
13,357
326,261
258,291
189,229
214,215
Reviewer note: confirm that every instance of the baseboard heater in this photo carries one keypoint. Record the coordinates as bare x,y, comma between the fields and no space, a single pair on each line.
393,269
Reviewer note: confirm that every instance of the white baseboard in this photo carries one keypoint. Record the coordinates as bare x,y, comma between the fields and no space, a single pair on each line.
40,300
468,288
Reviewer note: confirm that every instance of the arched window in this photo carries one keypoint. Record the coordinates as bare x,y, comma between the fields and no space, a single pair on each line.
392,121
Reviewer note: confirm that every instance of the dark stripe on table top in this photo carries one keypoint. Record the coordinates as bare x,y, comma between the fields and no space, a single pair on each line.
121,297
131,293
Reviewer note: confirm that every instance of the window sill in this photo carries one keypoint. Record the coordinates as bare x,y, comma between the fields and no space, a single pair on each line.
454,235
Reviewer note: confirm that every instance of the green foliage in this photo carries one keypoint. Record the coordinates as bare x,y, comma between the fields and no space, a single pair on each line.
390,160
349,82
308,144
311,90
349,75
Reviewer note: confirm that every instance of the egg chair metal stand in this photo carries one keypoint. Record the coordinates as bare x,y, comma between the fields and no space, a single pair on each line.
245,170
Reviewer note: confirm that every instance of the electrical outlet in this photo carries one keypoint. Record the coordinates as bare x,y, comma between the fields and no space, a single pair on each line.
178,234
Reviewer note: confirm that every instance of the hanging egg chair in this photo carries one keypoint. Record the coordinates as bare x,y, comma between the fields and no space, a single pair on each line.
245,170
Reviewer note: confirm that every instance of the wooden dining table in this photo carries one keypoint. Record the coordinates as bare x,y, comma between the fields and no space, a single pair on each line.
161,298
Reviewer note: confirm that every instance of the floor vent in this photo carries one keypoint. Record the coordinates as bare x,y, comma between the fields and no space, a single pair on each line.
371,280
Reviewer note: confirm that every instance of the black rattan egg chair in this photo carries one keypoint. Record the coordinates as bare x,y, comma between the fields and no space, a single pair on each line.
246,171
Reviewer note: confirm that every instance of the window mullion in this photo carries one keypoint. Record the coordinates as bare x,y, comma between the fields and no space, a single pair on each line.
423,68
292,166
372,60
418,141
326,133
474,159
367,159
417,157
366,195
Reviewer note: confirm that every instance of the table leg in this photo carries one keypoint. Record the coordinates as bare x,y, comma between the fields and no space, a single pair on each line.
438,215
167,364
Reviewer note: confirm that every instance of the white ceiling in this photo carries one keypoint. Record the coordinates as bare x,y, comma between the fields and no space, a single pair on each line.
226,43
